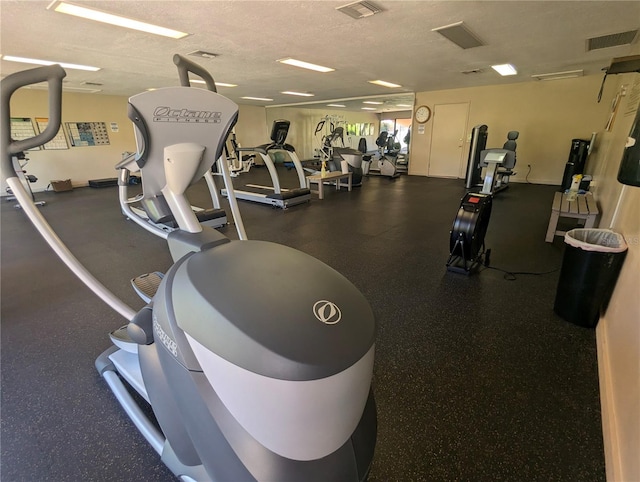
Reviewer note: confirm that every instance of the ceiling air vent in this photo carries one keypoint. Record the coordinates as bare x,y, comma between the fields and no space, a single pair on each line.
472,71
359,9
93,84
613,40
460,35
202,54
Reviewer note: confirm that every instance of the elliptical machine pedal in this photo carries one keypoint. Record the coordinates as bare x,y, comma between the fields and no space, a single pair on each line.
122,340
146,285
466,240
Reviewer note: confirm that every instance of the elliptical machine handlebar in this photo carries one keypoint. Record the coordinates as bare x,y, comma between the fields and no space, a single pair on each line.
53,75
185,66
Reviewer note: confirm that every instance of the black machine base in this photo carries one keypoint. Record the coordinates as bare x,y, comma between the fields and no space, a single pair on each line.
108,182
459,264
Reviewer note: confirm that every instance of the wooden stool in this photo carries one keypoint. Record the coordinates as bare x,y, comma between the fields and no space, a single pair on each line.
582,207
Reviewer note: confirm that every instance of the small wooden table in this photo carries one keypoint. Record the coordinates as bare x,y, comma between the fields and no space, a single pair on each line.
583,207
334,176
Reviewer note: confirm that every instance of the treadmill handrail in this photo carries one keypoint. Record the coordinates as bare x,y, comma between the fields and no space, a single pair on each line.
259,150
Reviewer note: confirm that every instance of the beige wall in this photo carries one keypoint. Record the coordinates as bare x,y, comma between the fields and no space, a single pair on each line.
303,125
618,331
251,129
77,163
547,115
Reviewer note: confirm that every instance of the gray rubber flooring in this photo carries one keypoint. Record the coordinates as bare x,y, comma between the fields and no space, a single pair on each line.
475,377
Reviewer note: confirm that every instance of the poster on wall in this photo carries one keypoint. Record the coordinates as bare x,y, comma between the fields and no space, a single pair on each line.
21,129
58,142
83,134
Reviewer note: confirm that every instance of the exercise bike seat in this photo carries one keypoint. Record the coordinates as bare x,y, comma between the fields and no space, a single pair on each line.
362,147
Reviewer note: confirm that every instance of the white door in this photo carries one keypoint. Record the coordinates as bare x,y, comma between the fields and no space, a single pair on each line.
447,139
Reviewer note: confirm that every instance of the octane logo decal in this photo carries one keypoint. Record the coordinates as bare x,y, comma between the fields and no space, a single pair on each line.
327,312
168,114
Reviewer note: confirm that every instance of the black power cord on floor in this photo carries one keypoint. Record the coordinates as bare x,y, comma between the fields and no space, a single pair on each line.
511,275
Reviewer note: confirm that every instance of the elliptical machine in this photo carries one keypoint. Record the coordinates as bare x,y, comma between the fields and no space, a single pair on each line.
241,391
334,155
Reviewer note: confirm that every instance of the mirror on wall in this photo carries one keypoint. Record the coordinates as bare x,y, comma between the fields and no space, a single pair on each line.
362,117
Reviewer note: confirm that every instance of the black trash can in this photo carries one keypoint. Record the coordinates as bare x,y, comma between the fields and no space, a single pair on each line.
591,264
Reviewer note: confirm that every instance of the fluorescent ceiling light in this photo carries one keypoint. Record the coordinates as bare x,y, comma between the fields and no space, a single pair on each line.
558,75
257,98
372,102
505,69
368,108
336,105
218,84
81,89
45,86
301,94
98,16
64,65
384,83
404,105
305,65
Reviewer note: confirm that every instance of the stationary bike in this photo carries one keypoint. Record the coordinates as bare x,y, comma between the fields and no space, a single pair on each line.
265,390
387,160
238,163
20,161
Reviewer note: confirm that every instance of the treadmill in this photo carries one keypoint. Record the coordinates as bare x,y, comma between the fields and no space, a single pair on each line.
275,195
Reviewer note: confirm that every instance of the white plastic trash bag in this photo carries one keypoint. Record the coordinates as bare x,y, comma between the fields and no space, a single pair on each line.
602,240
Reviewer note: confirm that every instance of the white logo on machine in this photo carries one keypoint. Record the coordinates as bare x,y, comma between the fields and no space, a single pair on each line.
327,312
171,345
169,114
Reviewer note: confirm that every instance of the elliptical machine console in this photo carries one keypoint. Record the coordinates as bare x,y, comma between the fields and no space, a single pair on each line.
241,391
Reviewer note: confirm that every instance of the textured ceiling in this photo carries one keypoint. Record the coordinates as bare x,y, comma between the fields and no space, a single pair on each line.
396,45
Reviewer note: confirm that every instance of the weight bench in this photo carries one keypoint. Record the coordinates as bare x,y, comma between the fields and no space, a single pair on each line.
584,206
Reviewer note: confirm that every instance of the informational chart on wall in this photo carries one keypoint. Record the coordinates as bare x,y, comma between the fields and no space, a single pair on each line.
58,142
22,128
82,134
